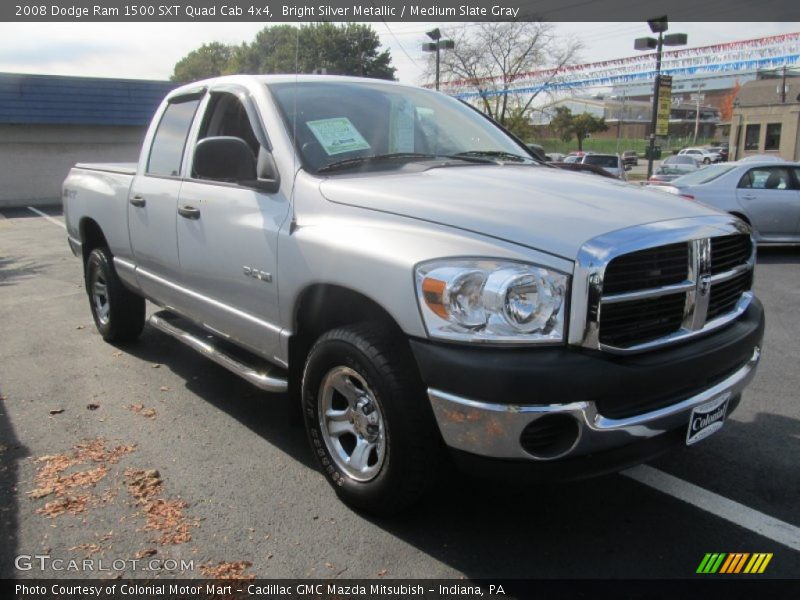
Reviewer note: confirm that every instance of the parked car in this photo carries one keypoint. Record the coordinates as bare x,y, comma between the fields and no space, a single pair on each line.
705,156
417,284
537,151
629,157
682,159
584,168
554,157
764,194
612,163
721,150
572,158
670,172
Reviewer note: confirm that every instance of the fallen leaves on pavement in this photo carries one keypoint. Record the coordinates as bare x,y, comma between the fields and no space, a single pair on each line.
228,570
51,479
165,516
140,409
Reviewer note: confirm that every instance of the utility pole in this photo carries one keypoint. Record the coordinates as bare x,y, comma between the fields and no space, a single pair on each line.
783,86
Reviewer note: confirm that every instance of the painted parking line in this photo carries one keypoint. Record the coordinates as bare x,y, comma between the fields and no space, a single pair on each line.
48,217
739,514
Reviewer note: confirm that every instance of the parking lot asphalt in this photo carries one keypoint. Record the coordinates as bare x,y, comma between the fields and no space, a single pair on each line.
231,481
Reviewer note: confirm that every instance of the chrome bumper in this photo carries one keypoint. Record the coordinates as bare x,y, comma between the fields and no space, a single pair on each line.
494,430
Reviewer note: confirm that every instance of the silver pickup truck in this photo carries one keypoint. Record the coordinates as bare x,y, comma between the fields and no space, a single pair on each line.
425,291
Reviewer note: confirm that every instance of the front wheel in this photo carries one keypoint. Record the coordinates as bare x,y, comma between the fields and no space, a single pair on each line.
118,313
706,161
368,421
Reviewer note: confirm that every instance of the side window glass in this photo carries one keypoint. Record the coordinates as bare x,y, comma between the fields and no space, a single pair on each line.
226,116
766,179
166,152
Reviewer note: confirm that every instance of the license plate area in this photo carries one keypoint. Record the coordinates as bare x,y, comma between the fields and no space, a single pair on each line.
707,418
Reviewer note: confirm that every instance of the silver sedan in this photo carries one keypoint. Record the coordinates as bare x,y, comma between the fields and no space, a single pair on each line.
765,194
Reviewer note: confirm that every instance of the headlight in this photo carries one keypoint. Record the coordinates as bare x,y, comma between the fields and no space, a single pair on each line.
491,301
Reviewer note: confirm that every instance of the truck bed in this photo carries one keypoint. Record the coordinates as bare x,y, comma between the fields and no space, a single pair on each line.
122,168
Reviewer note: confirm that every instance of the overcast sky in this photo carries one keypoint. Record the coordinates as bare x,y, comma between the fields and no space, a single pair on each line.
150,50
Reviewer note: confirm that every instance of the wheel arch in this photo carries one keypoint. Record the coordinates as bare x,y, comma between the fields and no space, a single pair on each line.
321,307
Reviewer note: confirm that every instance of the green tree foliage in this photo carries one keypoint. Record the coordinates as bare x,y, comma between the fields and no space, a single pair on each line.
346,49
567,125
209,60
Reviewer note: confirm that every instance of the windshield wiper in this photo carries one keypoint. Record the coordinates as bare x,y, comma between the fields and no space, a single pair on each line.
362,160
489,154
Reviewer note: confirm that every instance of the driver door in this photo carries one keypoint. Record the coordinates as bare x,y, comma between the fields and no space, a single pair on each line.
228,238
770,199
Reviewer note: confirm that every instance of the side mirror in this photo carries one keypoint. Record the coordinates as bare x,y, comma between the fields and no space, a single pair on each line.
224,158
230,159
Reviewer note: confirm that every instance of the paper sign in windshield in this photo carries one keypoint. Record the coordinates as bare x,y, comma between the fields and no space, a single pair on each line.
338,135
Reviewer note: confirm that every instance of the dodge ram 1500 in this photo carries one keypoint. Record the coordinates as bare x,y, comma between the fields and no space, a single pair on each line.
424,289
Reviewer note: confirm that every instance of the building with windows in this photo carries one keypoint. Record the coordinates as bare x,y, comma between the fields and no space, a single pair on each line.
766,119
48,123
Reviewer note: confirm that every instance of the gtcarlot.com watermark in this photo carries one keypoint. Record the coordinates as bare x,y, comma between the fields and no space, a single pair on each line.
45,562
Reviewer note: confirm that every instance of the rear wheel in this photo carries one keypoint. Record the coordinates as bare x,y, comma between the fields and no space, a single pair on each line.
706,161
118,313
368,420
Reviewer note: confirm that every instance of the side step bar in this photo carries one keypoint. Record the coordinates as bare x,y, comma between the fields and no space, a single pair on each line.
266,379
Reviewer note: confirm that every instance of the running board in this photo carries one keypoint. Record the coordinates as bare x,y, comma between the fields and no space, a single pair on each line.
266,378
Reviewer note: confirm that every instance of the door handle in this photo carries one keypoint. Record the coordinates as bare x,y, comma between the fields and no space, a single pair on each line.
748,197
138,201
189,212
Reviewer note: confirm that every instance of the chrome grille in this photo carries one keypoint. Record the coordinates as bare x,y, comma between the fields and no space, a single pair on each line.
643,298
652,267
627,323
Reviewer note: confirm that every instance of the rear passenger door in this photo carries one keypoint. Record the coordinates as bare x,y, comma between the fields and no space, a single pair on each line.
769,198
153,202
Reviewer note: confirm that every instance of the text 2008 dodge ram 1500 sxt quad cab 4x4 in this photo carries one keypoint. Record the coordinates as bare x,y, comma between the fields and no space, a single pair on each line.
418,283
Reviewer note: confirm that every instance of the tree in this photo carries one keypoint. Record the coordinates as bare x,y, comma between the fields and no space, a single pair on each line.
346,49
567,125
490,57
209,60
726,106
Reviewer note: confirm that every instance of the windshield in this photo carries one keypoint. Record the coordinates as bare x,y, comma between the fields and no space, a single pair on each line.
607,162
704,175
349,123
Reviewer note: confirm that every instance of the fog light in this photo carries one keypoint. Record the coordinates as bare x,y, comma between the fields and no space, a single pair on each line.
550,436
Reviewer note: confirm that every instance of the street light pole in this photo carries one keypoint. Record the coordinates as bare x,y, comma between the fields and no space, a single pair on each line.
437,46
659,26
654,115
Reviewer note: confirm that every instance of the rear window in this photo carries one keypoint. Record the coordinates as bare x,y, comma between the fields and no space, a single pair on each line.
166,153
607,162
704,175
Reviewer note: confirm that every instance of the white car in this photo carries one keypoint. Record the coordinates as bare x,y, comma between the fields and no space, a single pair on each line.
765,194
702,155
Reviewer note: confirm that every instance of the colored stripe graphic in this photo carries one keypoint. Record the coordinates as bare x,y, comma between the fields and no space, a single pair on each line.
733,563
726,566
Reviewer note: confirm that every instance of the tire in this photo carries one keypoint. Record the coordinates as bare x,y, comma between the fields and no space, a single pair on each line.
382,404
706,161
118,313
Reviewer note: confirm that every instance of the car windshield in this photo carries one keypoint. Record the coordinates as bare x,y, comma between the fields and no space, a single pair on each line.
674,170
704,175
607,162
338,125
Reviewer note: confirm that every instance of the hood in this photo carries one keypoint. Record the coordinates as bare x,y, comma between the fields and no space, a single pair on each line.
546,209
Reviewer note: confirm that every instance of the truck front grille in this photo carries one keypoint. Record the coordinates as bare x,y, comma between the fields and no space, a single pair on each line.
659,294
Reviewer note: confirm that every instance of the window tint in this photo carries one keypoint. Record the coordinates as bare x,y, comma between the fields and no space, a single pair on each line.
773,140
752,133
766,178
705,175
166,152
226,116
